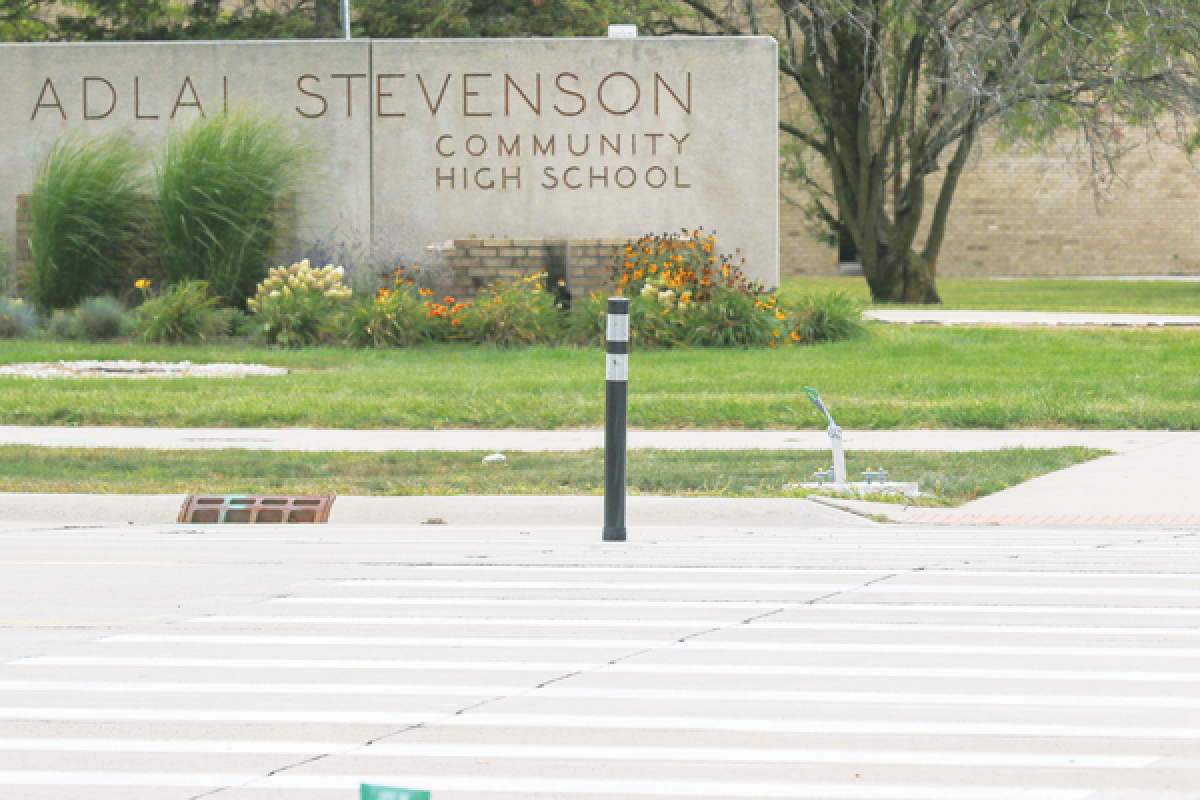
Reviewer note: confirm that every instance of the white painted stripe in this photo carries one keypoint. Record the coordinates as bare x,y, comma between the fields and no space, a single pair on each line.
490,622
822,647
765,696
488,665
1062,591
1137,611
621,585
550,753
222,715
190,779
760,605
820,727
875,588
1031,573
691,644
712,605
622,569
368,689
909,672
384,641
507,785
920,627
892,627
623,667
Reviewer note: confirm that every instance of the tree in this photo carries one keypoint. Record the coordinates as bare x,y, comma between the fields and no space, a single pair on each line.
494,18
19,20
898,91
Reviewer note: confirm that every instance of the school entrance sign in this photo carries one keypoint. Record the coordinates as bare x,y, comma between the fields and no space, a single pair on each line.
430,140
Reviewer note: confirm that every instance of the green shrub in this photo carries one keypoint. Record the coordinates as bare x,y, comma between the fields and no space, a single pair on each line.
89,211
828,317
182,313
300,305
732,319
585,324
64,326
393,318
515,313
683,293
17,319
218,184
102,318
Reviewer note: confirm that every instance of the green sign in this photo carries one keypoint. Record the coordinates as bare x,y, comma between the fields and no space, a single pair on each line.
389,793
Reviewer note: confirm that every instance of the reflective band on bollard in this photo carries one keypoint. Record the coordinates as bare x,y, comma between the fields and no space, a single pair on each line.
616,397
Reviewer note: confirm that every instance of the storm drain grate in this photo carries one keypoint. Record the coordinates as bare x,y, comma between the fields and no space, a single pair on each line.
250,509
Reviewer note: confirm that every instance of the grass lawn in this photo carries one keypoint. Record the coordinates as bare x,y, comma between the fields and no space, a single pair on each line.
897,377
748,473
1142,297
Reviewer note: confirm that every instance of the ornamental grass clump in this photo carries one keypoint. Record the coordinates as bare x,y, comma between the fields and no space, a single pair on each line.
301,305
89,210
219,184
829,317
180,314
516,313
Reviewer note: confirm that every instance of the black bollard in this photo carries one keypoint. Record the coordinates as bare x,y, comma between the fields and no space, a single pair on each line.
616,398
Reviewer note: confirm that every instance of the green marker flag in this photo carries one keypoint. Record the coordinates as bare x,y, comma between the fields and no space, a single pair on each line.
389,793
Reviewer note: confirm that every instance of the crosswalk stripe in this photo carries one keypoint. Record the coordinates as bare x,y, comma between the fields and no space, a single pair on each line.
510,785
606,753
576,585
691,644
656,694
761,605
873,588
220,715
893,627
760,570
711,605
461,621
821,727
489,665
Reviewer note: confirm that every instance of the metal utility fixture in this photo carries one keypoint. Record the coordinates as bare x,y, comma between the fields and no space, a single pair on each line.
835,436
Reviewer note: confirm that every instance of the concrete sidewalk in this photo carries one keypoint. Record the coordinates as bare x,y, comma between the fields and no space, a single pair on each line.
1149,481
532,441
25,511
1021,319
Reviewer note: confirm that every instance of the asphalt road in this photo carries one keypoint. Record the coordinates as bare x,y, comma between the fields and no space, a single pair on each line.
888,662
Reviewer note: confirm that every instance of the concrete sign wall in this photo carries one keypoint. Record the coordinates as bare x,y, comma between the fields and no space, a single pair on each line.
429,140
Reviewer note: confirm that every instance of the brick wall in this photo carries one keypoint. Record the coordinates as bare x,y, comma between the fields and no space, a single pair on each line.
24,261
583,264
1030,215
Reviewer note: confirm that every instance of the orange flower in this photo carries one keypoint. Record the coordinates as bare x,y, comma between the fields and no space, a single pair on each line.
449,301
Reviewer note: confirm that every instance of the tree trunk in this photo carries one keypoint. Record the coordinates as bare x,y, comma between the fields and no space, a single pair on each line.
902,278
327,18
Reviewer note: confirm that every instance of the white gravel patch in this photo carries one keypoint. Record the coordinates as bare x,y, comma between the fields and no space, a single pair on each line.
135,369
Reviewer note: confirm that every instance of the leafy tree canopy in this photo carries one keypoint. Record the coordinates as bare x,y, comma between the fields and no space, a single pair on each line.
899,91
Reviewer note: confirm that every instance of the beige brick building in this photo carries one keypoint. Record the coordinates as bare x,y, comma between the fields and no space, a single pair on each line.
1020,214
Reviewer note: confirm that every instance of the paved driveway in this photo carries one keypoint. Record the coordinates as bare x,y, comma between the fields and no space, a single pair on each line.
878,662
